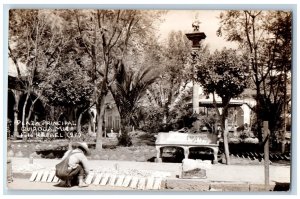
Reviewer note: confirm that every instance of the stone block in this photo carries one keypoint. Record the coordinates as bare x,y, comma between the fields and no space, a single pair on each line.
120,180
189,185
230,187
134,182
260,187
195,173
141,184
98,178
159,183
189,164
127,181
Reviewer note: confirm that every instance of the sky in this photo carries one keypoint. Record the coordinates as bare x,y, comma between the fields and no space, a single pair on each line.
182,20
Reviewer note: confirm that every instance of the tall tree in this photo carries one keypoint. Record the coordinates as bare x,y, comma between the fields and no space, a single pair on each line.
106,36
168,90
264,35
224,74
35,38
70,88
127,89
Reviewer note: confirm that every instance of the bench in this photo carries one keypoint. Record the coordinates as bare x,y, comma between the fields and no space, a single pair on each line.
186,141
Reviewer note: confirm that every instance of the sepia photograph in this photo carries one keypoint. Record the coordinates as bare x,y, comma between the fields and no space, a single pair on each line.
149,100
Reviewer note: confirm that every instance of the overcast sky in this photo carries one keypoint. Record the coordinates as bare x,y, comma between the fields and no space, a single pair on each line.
182,20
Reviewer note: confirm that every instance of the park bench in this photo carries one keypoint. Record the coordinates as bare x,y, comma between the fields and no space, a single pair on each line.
186,141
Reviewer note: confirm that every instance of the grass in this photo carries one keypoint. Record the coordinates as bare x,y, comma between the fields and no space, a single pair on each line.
143,149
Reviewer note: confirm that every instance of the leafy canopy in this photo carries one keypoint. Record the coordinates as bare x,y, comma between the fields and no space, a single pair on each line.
224,73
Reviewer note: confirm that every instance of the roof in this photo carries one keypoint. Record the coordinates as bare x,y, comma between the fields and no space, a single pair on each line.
233,102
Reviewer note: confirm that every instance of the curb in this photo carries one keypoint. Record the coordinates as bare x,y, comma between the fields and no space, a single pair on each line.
194,185
21,175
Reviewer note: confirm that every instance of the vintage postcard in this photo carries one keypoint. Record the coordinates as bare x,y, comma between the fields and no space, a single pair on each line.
153,100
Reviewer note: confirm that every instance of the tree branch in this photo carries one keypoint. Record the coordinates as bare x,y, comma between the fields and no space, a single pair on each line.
87,50
15,62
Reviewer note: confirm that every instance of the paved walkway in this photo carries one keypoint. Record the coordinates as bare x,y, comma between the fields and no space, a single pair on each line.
24,185
253,174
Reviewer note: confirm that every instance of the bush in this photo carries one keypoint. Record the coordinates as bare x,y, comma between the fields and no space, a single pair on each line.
124,140
152,120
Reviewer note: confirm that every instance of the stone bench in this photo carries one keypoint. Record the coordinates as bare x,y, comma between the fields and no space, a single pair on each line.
186,141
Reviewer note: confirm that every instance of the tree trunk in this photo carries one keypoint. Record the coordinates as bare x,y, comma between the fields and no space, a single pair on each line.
258,114
24,112
124,139
225,129
225,139
16,112
284,112
100,119
79,123
31,110
224,124
90,123
166,113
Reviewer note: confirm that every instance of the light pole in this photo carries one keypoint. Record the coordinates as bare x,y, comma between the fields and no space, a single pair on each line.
196,36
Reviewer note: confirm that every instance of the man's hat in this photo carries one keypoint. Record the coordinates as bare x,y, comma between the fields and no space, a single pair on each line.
83,146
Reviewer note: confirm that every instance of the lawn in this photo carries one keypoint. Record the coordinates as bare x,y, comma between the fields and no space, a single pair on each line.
143,149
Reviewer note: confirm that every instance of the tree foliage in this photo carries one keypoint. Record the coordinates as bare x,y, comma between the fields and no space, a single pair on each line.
170,88
108,36
68,51
223,73
36,38
127,89
266,37
71,87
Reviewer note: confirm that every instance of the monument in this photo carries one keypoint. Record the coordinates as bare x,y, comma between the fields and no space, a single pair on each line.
196,36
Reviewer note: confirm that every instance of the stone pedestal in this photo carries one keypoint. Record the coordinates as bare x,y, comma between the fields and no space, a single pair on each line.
195,173
215,149
186,152
158,154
